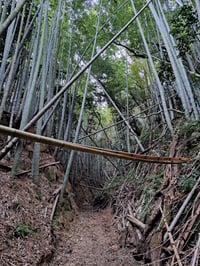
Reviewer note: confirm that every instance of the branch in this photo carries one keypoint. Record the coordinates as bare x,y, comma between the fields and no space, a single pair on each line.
5,167
194,73
133,51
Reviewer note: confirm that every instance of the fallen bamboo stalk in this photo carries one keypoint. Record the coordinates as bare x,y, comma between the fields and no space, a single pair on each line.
90,149
136,221
54,207
195,258
40,167
178,215
171,239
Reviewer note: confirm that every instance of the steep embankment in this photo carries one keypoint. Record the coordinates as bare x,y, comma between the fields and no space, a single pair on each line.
25,209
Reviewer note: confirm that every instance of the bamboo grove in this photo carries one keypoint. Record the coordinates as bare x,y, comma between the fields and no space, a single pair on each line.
69,69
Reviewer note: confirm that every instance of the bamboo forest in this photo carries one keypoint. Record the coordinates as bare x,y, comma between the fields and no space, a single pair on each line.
99,132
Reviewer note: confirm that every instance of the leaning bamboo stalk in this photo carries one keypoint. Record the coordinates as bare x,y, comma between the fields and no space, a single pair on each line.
171,240
54,207
186,201
80,119
89,149
4,151
146,158
42,54
155,73
12,16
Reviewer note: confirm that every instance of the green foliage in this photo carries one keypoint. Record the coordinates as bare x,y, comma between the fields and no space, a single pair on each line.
106,115
184,27
65,203
186,183
138,81
120,179
146,203
155,180
147,133
22,230
189,127
165,70
191,131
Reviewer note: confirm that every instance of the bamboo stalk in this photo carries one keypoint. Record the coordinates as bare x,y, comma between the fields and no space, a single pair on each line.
196,253
40,167
12,16
89,149
182,208
54,207
136,221
4,151
171,240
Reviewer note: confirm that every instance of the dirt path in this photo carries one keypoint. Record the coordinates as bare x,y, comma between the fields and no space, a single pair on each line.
92,240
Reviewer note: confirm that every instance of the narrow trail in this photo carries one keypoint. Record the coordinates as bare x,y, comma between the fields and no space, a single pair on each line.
93,240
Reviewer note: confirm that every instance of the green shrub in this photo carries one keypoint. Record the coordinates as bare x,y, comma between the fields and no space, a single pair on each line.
155,180
189,127
186,183
22,230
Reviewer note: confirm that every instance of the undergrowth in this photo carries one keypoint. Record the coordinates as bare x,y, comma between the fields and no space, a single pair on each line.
22,230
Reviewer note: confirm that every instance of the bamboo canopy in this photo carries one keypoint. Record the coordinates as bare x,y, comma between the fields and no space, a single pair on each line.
90,149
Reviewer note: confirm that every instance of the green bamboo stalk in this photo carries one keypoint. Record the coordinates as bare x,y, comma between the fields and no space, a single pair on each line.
161,90
7,49
70,160
43,45
183,85
198,8
30,92
127,105
4,151
12,16
13,68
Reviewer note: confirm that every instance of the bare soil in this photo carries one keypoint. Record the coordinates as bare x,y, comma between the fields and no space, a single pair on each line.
92,240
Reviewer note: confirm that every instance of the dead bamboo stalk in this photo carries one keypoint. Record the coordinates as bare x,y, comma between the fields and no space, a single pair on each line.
136,221
171,239
176,218
40,167
54,207
90,149
196,253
